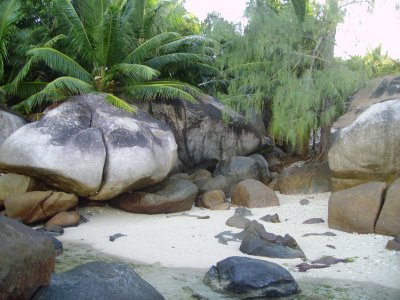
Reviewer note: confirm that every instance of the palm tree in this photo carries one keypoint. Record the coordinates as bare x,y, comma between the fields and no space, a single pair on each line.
9,15
98,50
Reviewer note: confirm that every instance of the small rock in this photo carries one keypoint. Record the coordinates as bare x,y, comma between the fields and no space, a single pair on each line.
331,246
394,244
329,260
304,267
328,233
115,236
228,236
314,221
237,221
222,206
243,211
212,198
304,202
271,218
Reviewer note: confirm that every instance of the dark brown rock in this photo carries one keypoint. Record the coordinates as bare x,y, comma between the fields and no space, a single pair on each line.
34,207
356,209
168,197
27,260
305,178
64,219
252,193
389,219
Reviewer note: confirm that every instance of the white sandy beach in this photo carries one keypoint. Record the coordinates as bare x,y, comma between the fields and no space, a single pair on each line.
182,241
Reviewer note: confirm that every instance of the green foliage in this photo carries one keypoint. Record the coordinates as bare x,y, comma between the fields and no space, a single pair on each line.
378,64
107,46
283,63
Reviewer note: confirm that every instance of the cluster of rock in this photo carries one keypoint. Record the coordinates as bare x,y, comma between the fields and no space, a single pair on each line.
364,159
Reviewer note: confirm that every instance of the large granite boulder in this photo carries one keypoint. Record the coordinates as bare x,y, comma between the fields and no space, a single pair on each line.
9,122
207,130
253,193
14,184
389,219
173,195
92,149
33,207
250,278
356,209
27,259
98,280
366,140
305,178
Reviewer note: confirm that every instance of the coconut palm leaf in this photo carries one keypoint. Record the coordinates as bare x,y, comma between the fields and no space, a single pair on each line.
59,89
60,62
148,49
139,73
118,102
180,59
9,15
188,43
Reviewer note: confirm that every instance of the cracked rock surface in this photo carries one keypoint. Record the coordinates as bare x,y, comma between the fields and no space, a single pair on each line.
92,149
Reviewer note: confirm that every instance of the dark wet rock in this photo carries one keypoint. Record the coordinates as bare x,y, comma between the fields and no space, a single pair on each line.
116,236
65,219
331,246
243,211
81,147
304,202
256,241
253,194
171,196
202,133
55,230
314,221
241,168
328,233
237,221
394,244
388,222
98,280
304,267
305,178
356,209
27,259
32,207
271,218
250,278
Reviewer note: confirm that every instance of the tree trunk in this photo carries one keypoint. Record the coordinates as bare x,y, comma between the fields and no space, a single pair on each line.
324,142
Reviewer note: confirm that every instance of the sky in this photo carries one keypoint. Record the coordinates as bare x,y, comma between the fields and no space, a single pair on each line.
359,32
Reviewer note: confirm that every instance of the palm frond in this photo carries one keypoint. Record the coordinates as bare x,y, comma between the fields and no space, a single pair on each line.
20,76
60,62
162,90
188,43
50,43
118,102
59,89
9,15
149,48
25,89
80,40
182,59
134,14
138,72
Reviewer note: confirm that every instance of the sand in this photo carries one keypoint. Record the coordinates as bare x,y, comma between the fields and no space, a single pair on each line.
179,241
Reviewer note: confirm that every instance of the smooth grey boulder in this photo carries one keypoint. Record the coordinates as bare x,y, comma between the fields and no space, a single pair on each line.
92,149
98,280
27,259
250,278
203,134
365,144
388,222
9,122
